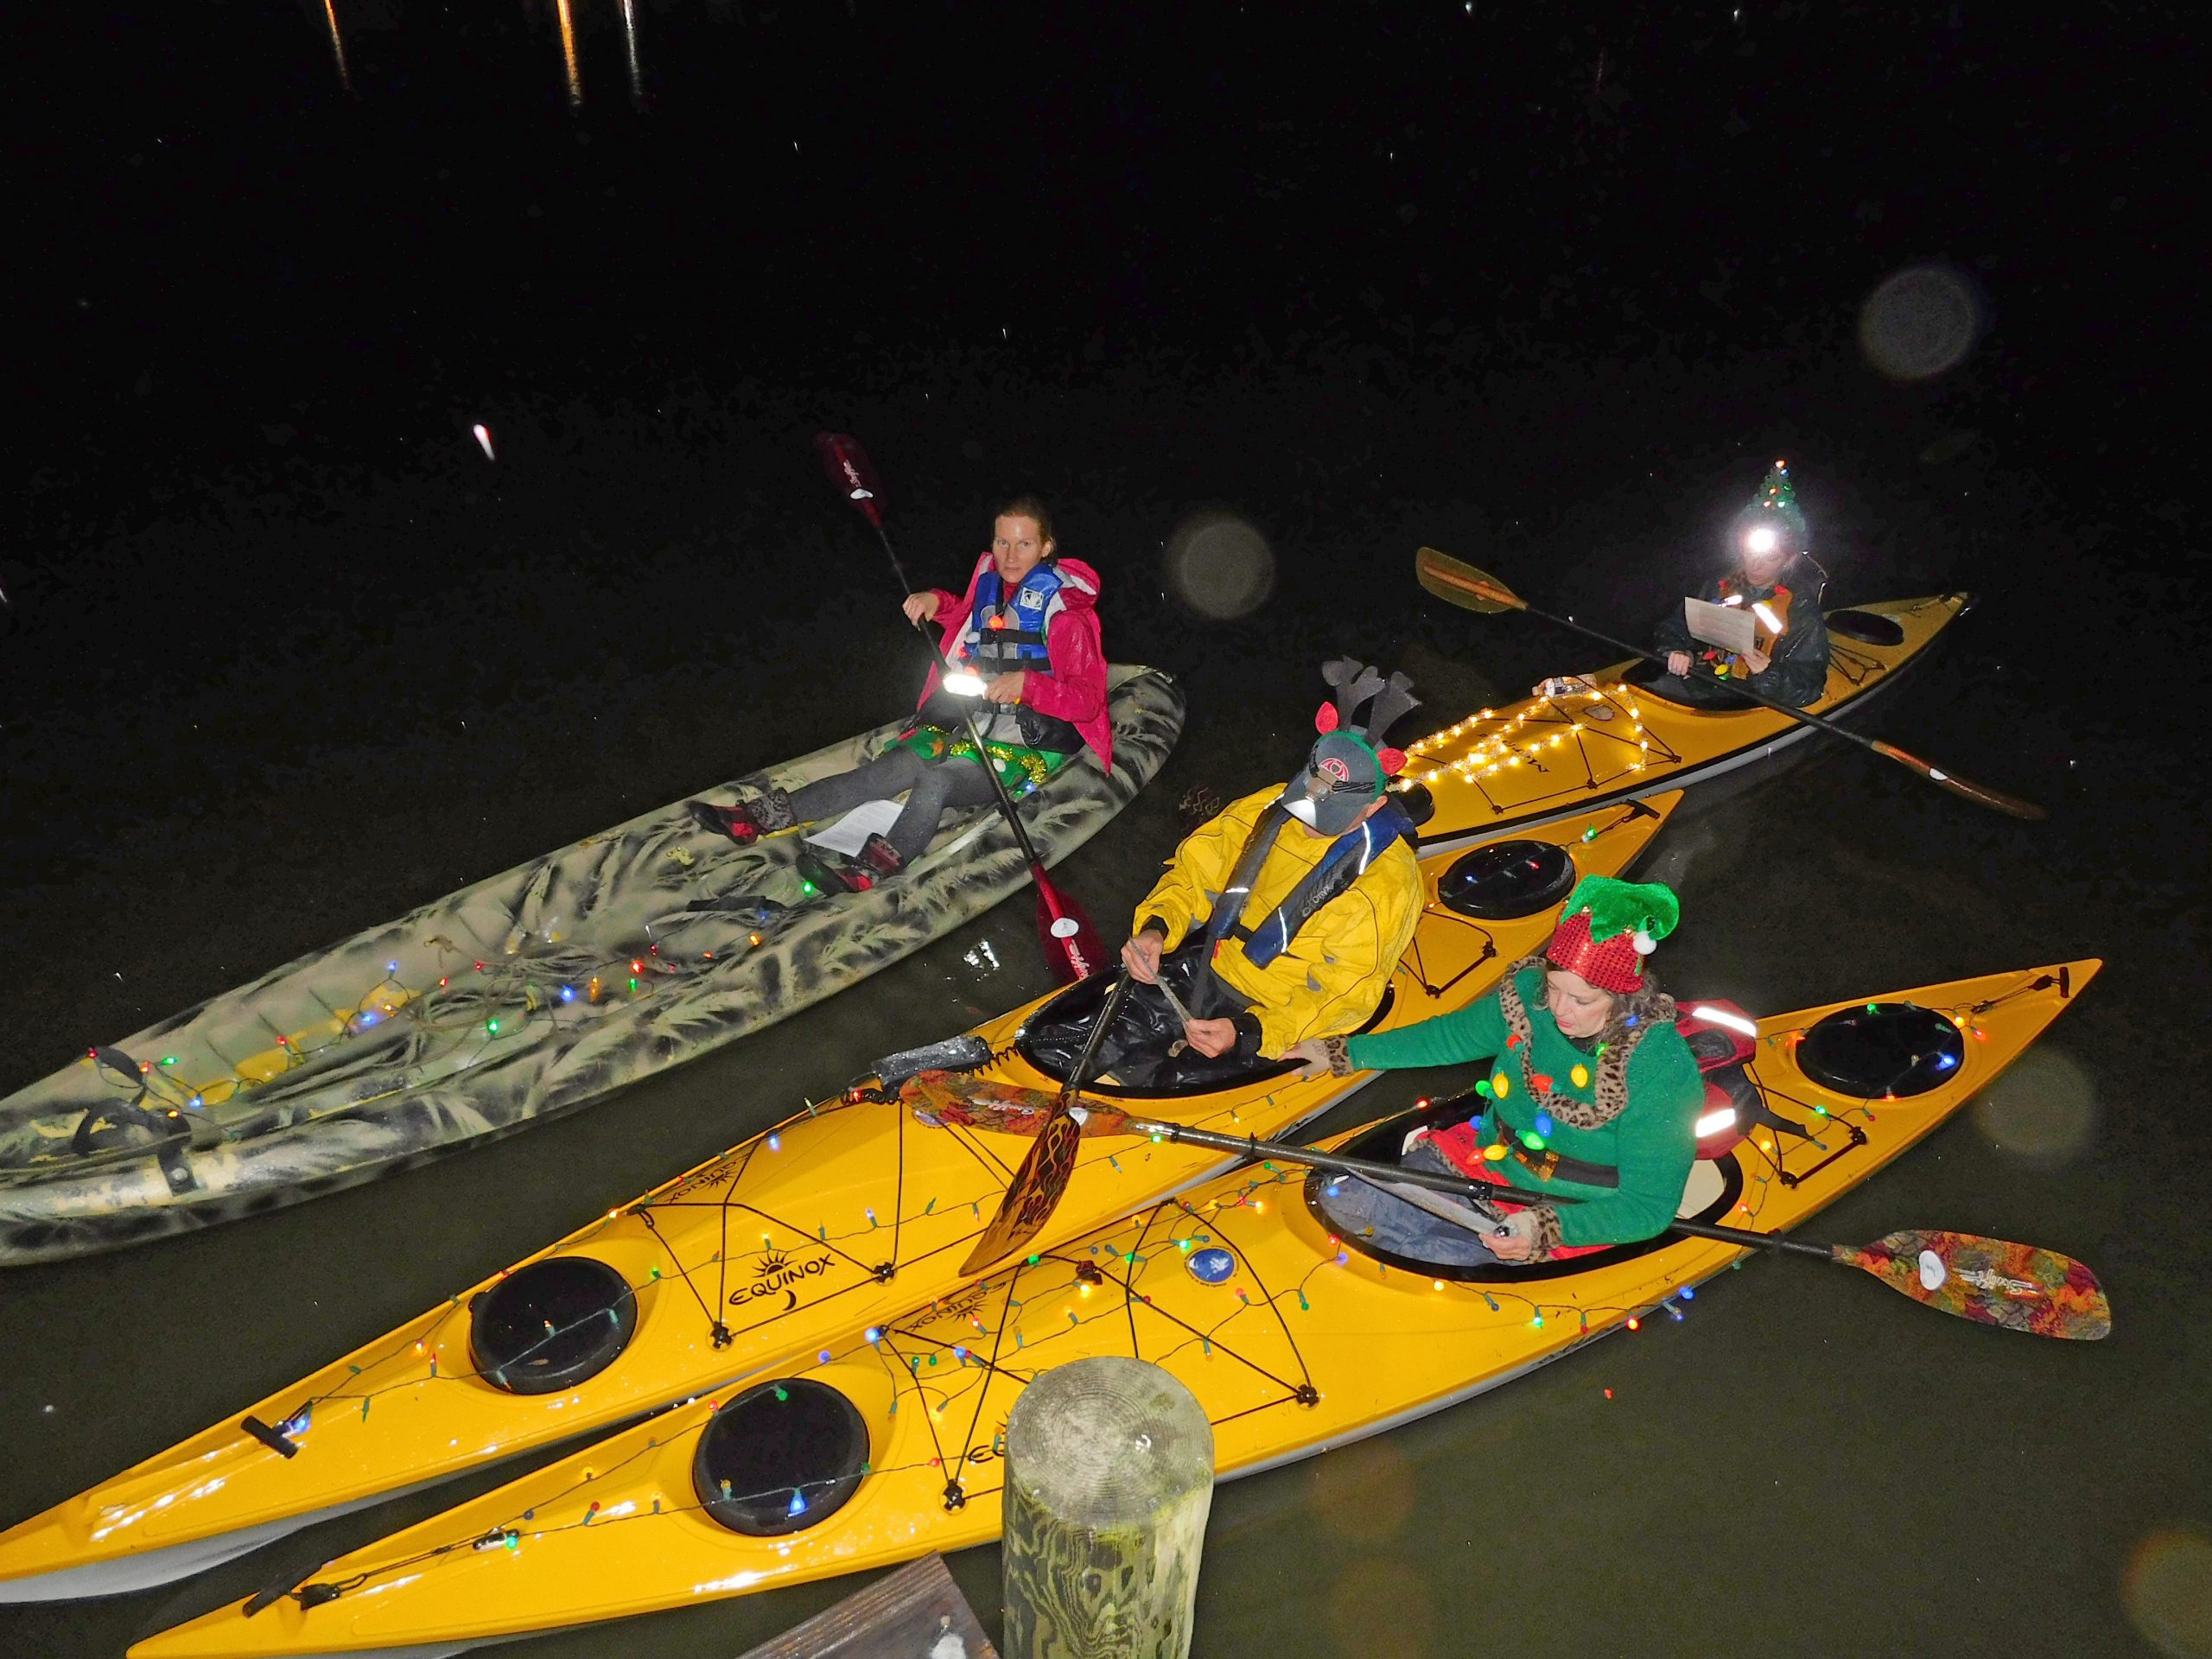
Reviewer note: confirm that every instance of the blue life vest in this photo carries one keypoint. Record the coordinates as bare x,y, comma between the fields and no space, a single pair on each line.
1020,644
1346,860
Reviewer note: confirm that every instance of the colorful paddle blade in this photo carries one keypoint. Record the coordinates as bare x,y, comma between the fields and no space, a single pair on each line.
955,1100
1990,1281
1032,1196
1456,582
853,473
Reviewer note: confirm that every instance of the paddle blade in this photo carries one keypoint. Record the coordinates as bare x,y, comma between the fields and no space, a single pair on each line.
1071,943
1965,789
853,473
1030,1197
1989,1281
950,1100
1456,582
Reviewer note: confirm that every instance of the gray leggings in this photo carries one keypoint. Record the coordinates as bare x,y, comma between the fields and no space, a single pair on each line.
929,786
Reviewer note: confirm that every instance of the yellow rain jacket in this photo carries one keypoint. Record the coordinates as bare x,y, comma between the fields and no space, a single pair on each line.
1335,971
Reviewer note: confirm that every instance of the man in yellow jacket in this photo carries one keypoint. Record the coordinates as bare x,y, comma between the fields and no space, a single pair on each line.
1282,918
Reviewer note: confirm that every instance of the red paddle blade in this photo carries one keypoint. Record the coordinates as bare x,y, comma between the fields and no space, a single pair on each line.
1991,1281
1071,943
853,473
1032,1196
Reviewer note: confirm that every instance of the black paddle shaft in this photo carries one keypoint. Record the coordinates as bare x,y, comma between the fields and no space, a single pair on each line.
1458,1185
1742,688
967,714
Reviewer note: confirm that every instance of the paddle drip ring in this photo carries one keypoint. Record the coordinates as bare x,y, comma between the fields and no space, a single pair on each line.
780,1457
1507,880
1881,1049
551,1324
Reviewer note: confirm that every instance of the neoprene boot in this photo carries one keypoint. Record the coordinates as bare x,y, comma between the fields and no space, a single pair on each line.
748,821
881,857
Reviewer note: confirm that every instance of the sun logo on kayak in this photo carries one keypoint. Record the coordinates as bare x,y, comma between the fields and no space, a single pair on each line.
780,1271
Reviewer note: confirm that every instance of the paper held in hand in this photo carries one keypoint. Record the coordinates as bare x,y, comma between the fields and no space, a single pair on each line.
1724,625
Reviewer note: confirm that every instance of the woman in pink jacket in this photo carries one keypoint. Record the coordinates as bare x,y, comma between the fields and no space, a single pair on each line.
1027,630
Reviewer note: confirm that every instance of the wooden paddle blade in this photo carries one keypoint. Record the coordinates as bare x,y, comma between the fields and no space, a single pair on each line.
1030,1197
1989,1281
1456,582
955,1100
1965,789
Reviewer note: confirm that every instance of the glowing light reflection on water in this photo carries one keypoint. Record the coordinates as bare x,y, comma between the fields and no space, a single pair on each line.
569,53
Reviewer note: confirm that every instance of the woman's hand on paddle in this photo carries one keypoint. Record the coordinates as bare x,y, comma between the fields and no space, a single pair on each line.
1140,956
1678,663
1006,687
920,608
1212,1037
1316,1058
1517,1240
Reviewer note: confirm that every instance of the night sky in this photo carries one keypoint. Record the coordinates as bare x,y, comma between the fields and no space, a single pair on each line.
215,241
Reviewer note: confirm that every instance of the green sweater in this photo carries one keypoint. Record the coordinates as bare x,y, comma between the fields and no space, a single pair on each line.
1652,1142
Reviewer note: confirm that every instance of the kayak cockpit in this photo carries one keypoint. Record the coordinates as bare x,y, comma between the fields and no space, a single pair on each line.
1714,1186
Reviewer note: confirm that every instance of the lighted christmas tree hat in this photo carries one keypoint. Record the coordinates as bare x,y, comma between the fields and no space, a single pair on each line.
1773,509
1608,927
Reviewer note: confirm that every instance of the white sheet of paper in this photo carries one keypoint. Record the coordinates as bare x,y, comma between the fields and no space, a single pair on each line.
850,833
1725,625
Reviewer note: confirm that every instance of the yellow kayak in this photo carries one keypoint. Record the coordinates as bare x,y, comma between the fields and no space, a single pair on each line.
888,1445
1529,761
844,1215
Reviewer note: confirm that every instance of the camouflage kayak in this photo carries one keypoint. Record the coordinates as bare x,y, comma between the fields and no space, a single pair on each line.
521,997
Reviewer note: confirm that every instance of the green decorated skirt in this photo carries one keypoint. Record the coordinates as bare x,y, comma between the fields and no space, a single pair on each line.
1019,769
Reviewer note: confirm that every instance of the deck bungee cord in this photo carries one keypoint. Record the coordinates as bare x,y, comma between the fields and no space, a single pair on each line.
1294,1336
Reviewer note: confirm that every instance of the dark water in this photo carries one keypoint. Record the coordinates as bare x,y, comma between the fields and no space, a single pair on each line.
285,655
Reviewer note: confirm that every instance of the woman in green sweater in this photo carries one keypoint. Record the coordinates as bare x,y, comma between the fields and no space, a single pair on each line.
1593,1094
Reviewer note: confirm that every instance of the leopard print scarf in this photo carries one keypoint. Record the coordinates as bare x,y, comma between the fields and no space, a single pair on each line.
1617,1044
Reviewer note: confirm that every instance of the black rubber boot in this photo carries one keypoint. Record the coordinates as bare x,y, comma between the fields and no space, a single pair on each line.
731,821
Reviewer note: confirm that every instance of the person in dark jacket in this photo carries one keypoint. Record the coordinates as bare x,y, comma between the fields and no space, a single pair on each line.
1778,580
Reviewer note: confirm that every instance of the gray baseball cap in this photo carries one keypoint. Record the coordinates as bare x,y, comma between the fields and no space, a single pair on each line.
1341,779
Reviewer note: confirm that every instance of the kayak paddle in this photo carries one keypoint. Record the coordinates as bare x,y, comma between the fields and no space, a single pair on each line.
1038,1186
1459,583
1071,943
1988,1280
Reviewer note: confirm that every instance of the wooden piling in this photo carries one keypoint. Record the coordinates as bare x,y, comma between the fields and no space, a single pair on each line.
1108,1480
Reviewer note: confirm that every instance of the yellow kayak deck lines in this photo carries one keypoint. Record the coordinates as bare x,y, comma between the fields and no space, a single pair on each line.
840,1217
1293,1342
1610,740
